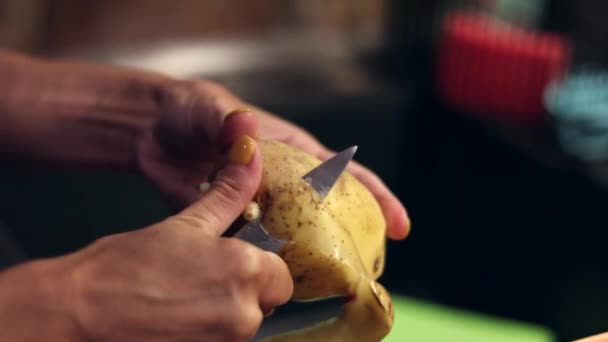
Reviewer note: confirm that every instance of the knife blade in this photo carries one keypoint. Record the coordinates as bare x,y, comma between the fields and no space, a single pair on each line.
323,177
255,233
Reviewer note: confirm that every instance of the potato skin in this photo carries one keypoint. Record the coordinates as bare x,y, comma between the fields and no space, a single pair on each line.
346,228
335,246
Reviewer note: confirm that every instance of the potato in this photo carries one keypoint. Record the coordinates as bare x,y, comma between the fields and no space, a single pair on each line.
335,246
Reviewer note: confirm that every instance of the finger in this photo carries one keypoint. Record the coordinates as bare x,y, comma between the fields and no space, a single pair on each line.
188,124
210,106
397,221
238,122
231,190
194,115
276,284
596,338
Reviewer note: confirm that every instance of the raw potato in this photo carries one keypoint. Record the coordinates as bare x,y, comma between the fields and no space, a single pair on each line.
335,247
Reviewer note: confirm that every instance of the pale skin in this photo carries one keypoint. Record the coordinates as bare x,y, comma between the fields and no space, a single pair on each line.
176,280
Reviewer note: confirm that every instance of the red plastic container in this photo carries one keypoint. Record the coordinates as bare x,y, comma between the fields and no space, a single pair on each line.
495,70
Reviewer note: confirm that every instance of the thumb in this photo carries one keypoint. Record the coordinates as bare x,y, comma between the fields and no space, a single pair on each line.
232,189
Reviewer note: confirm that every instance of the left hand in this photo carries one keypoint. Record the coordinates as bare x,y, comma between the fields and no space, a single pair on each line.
178,150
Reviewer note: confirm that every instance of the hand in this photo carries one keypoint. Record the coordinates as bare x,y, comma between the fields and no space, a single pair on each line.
595,338
174,281
178,151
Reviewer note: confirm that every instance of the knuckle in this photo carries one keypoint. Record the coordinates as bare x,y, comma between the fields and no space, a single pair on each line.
174,95
239,318
191,219
216,98
228,190
246,263
210,86
246,322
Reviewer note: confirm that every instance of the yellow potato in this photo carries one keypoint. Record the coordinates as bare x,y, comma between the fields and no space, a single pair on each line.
336,246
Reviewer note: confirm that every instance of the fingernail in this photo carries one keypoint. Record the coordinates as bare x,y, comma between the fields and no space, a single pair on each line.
237,111
408,227
242,150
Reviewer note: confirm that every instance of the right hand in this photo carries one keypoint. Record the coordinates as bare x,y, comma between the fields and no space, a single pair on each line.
178,280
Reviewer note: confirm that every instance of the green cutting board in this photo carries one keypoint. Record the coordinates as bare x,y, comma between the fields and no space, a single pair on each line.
419,321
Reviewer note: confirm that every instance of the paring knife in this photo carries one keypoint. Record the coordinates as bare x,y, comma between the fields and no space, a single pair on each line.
321,179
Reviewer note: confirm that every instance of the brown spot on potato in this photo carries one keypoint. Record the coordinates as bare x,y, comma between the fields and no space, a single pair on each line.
377,263
285,206
300,279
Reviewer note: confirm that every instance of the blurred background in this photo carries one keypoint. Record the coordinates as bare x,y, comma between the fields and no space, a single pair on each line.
488,118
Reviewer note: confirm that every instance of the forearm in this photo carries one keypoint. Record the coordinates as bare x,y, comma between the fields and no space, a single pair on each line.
34,306
73,114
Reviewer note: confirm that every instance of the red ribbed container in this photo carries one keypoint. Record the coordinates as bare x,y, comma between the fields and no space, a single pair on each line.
494,70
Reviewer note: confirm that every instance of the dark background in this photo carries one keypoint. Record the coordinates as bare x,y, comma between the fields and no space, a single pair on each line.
504,222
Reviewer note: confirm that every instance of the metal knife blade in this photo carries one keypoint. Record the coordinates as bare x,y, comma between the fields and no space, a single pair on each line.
254,233
323,177
297,315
